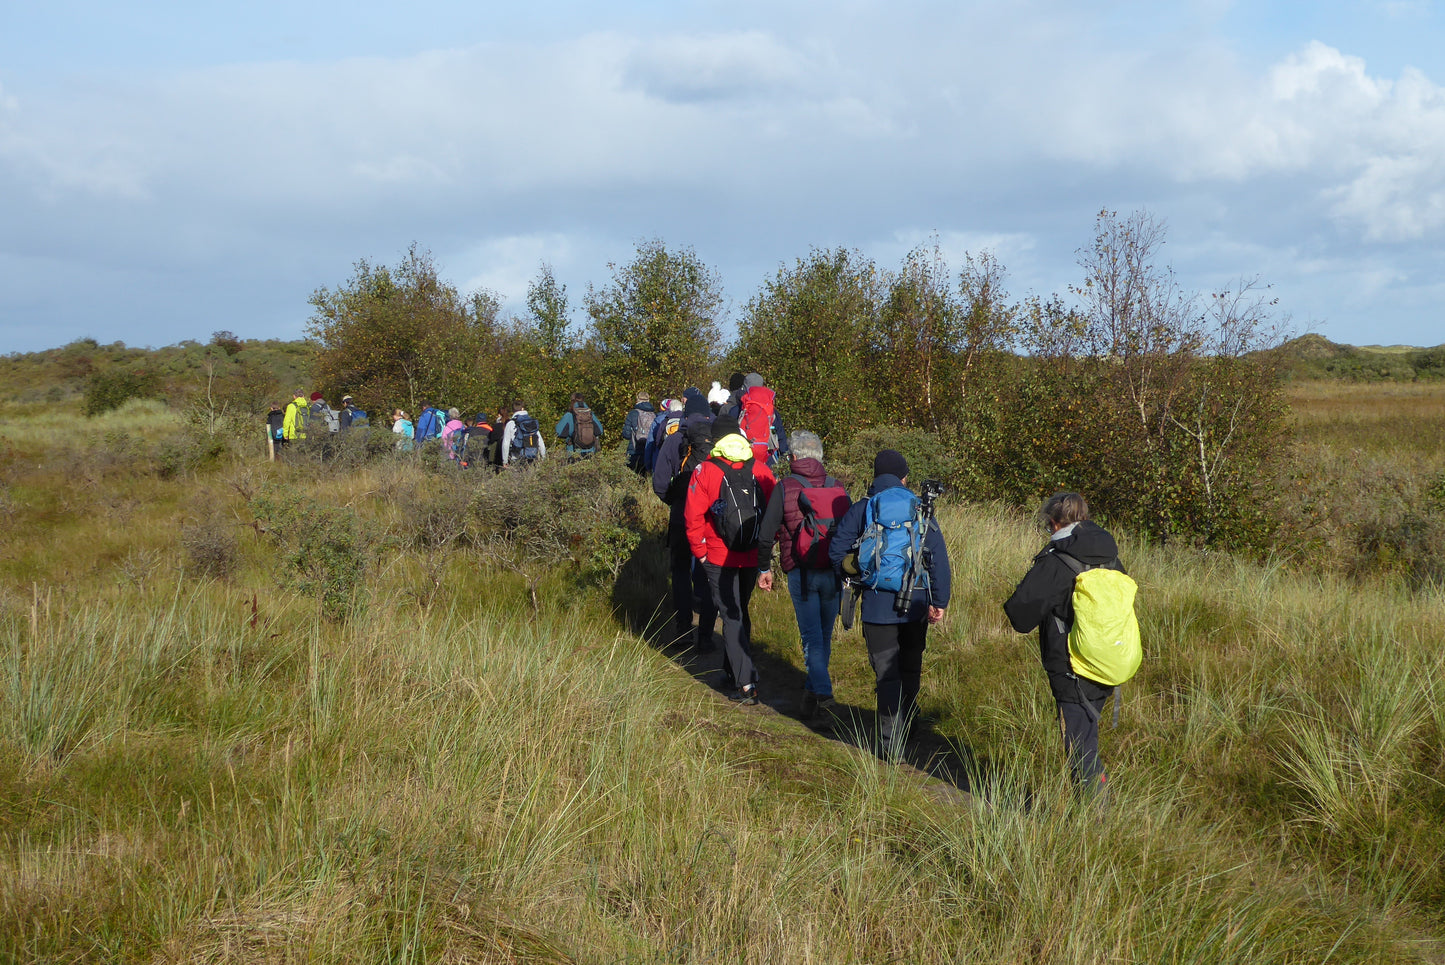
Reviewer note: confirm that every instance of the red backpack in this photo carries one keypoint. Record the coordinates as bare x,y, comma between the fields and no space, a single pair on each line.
821,508
755,417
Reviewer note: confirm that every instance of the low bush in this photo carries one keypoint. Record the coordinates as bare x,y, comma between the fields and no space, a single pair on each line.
110,388
588,512
326,549
210,545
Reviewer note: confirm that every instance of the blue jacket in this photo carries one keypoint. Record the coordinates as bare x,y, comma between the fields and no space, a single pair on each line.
876,606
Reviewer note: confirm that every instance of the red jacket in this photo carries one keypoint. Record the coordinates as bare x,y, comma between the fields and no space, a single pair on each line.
702,492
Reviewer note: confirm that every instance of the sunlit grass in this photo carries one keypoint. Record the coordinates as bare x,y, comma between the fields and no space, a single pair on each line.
459,773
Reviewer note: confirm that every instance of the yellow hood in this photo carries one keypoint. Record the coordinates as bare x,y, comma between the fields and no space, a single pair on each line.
733,448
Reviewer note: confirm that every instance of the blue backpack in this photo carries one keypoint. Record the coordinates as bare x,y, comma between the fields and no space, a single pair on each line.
429,424
891,544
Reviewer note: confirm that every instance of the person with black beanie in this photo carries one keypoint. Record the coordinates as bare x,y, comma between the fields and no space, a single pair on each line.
895,639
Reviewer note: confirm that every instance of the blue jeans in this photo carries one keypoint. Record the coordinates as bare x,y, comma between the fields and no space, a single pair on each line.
815,603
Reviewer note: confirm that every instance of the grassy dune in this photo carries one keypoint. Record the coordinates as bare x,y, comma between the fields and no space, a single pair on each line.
502,770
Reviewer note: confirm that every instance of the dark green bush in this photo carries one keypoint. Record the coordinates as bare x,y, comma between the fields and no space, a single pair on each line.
927,454
111,388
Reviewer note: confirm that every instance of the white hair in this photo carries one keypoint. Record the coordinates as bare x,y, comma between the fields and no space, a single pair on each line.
805,445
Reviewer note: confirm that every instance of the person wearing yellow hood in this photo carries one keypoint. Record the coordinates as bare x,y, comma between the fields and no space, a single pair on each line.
723,519
293,425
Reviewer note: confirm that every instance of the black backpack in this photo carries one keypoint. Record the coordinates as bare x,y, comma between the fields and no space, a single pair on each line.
472,442
738,512
526,440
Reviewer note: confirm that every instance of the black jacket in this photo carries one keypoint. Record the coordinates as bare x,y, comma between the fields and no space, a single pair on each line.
1044,599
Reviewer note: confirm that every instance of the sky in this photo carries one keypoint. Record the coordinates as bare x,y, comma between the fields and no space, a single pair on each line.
171,169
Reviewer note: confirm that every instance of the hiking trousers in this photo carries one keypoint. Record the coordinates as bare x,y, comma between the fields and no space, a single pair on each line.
1081,740
690,589
732,588
896,652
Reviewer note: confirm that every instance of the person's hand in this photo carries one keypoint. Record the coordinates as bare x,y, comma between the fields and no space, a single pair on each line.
935,614
765,581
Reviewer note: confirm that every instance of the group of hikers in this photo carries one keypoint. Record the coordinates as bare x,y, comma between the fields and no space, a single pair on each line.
481,440
714,459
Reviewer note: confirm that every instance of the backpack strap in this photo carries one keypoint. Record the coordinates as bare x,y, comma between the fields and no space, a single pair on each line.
1071,561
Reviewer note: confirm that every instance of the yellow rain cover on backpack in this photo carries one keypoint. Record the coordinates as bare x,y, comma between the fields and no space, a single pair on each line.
1104,640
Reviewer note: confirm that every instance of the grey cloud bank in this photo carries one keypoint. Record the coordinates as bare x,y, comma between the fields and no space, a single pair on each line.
156,207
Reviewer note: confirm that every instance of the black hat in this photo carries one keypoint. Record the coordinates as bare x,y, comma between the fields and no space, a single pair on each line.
724,425
696,405
890,462
735,382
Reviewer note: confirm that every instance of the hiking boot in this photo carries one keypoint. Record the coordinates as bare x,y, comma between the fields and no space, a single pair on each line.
746,696
825,717
808,706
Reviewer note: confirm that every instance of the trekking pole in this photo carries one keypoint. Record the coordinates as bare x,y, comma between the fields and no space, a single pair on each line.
920,557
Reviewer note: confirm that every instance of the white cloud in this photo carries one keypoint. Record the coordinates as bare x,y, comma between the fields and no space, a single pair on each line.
1000,128
507,265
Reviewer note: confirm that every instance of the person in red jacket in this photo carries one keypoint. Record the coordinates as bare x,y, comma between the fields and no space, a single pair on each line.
725,502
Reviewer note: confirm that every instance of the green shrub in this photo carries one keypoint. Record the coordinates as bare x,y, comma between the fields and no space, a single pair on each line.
927,454
110,388
587,512
325,549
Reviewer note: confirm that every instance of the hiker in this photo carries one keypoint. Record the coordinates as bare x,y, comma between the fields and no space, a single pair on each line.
475,445
522,442
579,426
294,421
351,415
319,416
429,422
668,421
402,426
493,457
735,387
757,413
725,499
1044,599
884,542
636,428
681,452
450,428
275,430
801,518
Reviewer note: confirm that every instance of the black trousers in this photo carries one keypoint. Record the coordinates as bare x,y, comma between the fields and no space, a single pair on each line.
690,588
732,588
896,652
1081,740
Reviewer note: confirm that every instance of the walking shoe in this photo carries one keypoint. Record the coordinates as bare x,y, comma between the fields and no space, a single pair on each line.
825,718
746,697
